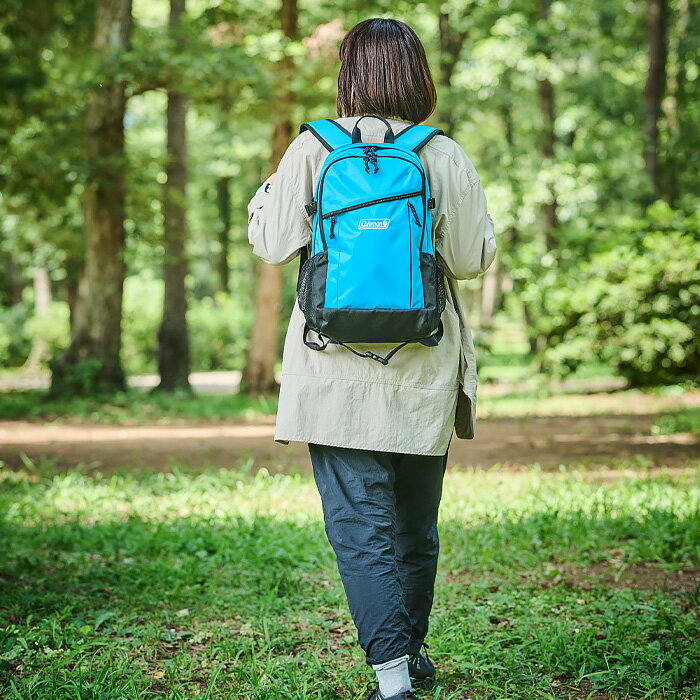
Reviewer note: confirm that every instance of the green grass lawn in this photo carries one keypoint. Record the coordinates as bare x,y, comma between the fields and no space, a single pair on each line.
222,585
132,407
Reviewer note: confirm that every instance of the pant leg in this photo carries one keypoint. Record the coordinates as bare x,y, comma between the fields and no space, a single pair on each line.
357,493
418,489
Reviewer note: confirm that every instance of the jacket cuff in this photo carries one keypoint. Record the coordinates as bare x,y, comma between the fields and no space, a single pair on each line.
258,200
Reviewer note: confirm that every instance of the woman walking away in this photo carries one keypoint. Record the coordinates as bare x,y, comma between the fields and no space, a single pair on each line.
378,365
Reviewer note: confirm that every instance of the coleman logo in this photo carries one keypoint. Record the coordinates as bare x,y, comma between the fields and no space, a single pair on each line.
374,223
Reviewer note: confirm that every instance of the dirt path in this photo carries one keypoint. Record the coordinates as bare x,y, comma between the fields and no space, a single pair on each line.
507,441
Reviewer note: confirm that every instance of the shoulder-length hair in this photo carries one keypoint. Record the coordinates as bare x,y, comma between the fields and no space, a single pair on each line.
384,71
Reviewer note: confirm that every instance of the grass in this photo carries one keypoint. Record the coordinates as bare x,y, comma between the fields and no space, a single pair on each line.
686,421
222,585
132,407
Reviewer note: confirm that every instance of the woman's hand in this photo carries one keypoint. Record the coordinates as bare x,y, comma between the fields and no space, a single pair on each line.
270,180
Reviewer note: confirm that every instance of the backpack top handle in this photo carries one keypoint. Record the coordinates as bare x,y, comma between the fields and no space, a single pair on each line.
388,134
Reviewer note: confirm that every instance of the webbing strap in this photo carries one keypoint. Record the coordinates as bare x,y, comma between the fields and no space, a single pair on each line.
328,132
431,341
414,137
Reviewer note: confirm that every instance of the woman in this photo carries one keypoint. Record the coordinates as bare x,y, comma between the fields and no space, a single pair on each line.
378,435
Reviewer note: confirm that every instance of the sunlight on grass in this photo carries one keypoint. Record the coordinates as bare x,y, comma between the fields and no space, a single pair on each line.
178,584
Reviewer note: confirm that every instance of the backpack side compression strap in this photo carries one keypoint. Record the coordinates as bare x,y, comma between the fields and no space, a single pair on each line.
414,137
328,132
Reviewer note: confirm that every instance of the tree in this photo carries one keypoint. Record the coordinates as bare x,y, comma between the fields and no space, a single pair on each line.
545,96
259,375
97,324
655,88
173,340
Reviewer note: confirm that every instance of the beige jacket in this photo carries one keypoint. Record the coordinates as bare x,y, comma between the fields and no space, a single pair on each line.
334,397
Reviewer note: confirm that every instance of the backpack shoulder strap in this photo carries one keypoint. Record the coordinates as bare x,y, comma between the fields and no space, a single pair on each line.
328,132
414,137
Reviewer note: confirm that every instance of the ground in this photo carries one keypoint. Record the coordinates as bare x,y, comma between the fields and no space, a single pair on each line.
547,440
569,565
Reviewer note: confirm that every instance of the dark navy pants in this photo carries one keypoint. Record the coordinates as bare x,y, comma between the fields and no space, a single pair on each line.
380,511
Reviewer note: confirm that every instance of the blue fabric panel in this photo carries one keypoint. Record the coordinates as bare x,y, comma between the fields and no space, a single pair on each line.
345,182
373,257
412,136
373,261
329,132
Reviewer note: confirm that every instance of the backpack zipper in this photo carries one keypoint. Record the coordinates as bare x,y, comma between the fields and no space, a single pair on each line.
415,213
376,201
322,178
332,235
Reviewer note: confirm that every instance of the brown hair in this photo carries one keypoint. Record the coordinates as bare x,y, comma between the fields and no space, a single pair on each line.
384,71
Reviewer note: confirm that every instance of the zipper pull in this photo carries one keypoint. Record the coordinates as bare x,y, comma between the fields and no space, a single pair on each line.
332,235
415,213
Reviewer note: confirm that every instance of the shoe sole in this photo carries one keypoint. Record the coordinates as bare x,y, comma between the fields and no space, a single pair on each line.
424,683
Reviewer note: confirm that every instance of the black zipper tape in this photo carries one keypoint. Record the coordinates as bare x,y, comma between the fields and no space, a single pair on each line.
377,201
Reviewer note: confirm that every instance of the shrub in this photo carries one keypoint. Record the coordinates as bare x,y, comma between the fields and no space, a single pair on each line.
635,306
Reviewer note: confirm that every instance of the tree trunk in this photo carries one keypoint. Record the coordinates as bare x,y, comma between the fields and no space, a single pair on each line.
97,329
11,281
655,88
514,231
173,339
259,372
545,96
490,295
223,198
451,43
42,301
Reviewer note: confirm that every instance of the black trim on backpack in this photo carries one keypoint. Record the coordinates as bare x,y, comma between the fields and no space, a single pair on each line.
436,132
408,128
342,128
308,127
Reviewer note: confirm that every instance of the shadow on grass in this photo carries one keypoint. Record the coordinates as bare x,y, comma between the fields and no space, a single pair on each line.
168,608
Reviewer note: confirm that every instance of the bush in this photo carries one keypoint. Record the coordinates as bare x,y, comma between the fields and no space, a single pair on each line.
635,307
15,344
218,328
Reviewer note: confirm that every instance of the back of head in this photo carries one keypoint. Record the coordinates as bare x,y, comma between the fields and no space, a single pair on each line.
384,71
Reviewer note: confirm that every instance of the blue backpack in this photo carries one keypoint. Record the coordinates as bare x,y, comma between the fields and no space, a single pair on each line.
372,275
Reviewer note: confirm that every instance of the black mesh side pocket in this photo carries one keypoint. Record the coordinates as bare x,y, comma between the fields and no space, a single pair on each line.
433,274
304,286
311,289
440,285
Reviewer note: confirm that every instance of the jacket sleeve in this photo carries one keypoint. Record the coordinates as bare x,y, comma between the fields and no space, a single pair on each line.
278,224
464,236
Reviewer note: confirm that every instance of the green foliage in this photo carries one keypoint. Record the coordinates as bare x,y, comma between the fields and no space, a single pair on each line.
218,327
81,378
132,407
14,342
686,421
51,327
634,306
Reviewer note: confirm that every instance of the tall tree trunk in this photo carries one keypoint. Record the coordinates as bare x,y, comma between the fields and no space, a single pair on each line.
259,372
655,88
11,282
490,295
545,96
97,329
223,199
74,287
42,301
451,43
682,137
173,339
514,231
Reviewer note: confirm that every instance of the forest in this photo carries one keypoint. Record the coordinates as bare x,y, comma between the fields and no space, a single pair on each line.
156,541
134,136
